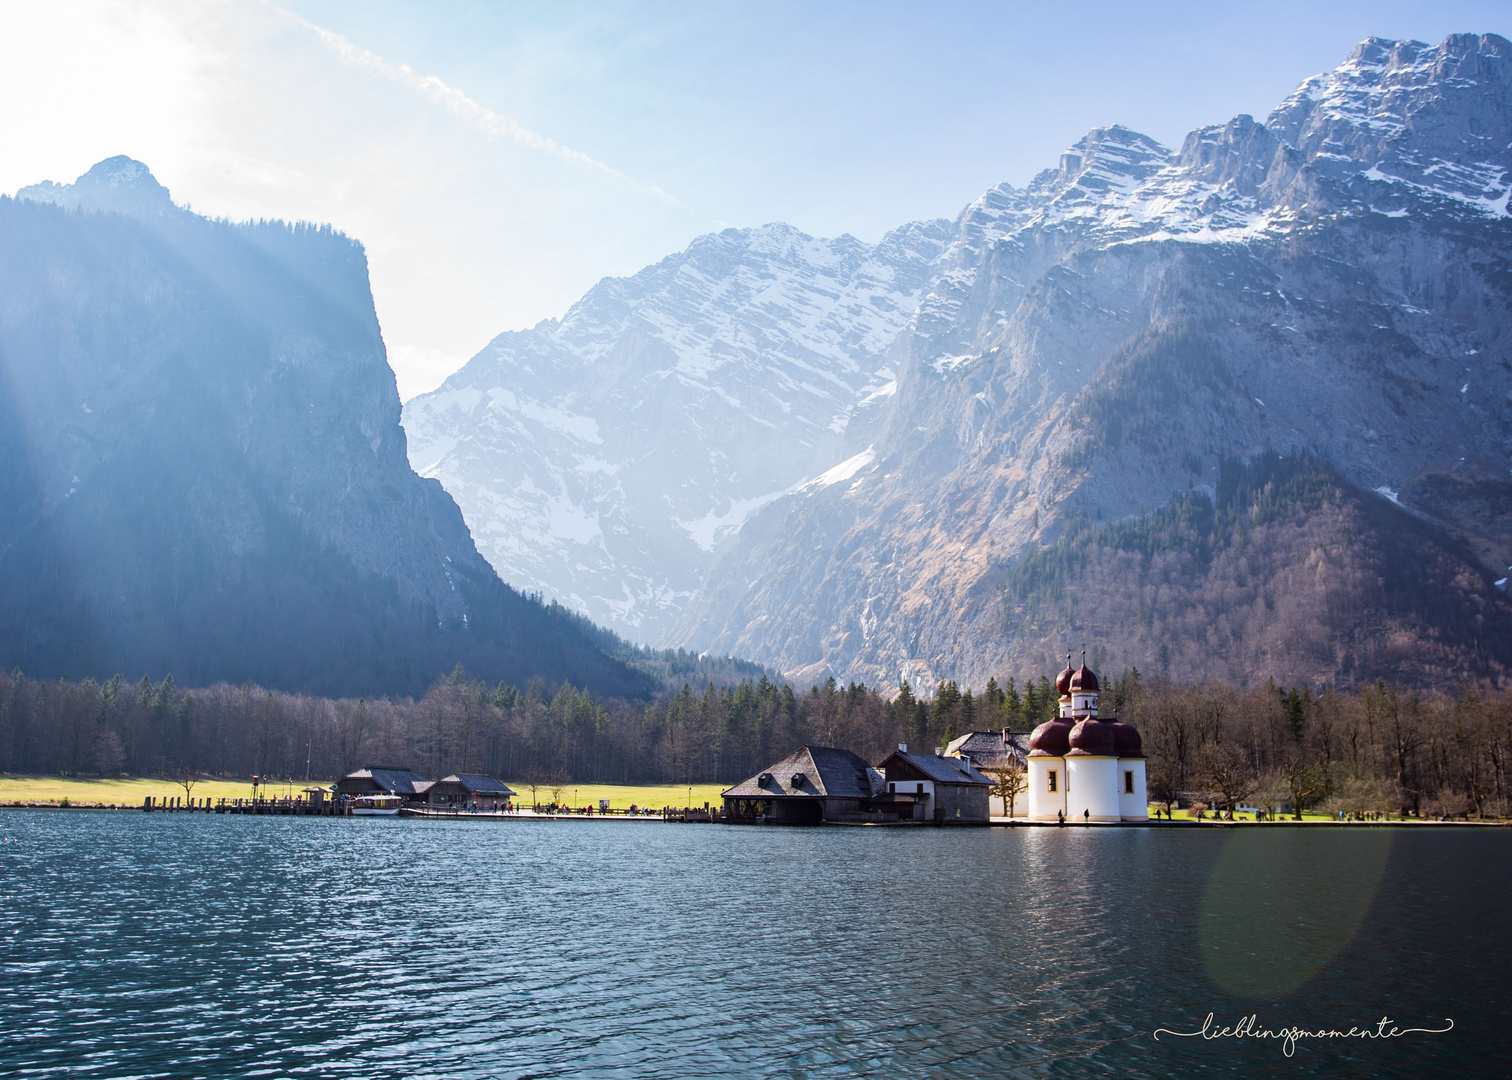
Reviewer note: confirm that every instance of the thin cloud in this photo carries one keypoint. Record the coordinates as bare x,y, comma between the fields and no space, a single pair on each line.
492,124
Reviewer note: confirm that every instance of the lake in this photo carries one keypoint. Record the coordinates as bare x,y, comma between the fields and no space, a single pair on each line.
204,945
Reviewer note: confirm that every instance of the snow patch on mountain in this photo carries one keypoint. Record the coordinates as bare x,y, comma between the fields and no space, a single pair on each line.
605,457
843,471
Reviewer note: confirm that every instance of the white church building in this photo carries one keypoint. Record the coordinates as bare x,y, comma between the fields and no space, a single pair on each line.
1082,767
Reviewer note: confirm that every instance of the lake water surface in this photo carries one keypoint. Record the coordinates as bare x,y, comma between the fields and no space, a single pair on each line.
203,945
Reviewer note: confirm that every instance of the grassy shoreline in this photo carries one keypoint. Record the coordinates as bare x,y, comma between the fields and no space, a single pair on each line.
130,791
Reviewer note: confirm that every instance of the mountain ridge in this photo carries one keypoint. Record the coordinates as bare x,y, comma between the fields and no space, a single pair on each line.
1331,281
1321,313
748,363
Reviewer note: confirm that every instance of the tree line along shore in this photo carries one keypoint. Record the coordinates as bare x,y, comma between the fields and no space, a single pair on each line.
1375,749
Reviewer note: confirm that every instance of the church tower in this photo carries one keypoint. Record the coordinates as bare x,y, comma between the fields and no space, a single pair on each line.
1092,760
1047,756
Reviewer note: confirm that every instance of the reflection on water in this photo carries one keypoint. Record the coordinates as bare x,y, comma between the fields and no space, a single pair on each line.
1281,903
163,945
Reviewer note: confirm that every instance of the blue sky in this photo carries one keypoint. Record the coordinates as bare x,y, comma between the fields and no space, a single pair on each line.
498,158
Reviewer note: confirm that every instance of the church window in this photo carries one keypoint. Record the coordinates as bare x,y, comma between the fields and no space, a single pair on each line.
1129,782
1051,776
921,790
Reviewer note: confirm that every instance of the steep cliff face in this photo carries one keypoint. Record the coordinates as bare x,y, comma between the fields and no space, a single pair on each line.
204,470
1334,283
607,458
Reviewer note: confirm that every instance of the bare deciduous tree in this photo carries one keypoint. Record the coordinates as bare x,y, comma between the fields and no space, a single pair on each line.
1303,781
1226,772
187,780
1009,780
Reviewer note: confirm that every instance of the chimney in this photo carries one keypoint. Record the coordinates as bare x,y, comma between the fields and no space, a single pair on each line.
902,748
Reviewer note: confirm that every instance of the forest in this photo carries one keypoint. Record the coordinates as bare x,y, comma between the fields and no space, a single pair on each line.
1375,749
1280,567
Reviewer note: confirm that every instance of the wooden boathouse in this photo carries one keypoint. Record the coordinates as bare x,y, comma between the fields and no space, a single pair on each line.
812,785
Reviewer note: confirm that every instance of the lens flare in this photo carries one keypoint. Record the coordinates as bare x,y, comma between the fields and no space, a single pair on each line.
1281,903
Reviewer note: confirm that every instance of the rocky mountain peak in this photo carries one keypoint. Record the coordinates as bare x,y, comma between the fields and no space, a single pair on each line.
603,459
120,184
1401,121
1239,154
1104,159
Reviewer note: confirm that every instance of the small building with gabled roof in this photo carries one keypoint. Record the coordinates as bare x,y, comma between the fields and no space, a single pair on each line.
470,790
926,787
810,786
991,749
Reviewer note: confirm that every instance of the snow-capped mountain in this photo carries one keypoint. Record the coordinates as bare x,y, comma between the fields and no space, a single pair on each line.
855,456
1137,330
604,459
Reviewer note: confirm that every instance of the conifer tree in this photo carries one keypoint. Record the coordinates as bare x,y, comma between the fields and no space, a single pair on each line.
992,700
1013,705
1048,700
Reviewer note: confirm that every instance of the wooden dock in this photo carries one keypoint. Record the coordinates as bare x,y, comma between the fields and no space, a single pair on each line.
299,807
287,806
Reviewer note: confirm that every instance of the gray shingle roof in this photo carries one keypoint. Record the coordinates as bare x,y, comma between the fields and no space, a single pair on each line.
942,770
394,781
812,772
987,749
477,783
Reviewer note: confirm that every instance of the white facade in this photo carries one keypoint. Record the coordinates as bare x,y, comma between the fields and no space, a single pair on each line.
1093,789
1044,804
1132,805
1091,782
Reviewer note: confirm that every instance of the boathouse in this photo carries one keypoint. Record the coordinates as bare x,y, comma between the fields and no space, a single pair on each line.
383,780
810,786
928,787
470,790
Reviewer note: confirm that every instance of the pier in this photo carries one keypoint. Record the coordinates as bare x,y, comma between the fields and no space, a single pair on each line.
287,806
300,807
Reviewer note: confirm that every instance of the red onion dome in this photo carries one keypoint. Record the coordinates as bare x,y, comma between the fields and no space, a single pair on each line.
1084,681
1126,740
1092,738
1063,680
1051,739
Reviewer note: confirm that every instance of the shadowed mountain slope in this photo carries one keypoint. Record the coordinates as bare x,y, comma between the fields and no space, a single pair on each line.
202,469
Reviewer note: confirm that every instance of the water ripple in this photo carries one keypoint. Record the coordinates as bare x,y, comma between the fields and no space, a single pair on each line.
197,945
